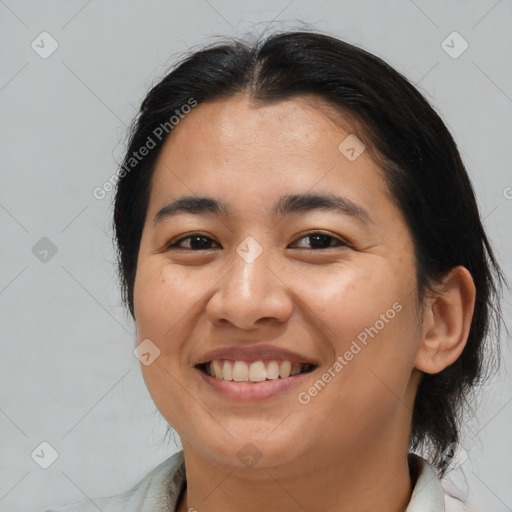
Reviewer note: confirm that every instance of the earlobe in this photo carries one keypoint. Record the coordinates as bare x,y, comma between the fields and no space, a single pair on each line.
446,322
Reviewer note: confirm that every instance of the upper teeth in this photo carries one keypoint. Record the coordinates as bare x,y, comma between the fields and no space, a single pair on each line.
256,371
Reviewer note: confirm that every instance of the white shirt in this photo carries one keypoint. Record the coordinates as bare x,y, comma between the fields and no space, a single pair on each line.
160,489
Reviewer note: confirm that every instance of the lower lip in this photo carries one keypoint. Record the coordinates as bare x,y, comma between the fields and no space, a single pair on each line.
252,390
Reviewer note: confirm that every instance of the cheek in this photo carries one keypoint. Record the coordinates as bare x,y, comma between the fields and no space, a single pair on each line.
368,317
161,298
369,376
344,302
162,306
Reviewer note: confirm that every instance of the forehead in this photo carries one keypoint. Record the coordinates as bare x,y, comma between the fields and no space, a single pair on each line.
236,147
300,124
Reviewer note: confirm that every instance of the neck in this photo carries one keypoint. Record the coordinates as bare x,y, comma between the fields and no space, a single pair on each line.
373,477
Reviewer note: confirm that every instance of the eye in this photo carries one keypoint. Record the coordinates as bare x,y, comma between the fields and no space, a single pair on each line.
321,240
196,242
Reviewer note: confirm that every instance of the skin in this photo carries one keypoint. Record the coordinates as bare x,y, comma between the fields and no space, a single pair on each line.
347,448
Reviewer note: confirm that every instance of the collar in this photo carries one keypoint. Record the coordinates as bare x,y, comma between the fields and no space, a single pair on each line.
428,493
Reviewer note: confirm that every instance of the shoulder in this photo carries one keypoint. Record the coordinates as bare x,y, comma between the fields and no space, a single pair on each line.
158,491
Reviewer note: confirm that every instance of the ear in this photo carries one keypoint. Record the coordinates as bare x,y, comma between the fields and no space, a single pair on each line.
446,321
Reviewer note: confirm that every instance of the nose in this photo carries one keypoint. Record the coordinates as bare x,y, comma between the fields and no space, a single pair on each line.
250,294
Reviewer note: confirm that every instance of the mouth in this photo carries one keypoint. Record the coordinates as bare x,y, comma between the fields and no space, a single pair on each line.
254,371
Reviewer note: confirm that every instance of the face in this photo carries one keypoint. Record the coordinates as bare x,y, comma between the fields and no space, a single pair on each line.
253,288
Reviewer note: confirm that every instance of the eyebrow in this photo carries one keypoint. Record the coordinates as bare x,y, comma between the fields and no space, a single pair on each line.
286,205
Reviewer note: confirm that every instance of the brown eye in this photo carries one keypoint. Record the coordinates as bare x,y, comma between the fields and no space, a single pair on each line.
323,241
200,242
197,242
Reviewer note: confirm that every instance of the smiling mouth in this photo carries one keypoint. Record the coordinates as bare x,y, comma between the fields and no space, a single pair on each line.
255,371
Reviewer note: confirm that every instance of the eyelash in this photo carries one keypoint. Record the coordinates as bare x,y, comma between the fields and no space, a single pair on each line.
175,244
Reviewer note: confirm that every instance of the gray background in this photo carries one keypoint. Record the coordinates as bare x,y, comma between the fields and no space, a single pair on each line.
68,374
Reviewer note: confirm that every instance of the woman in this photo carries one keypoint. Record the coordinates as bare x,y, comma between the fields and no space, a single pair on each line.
301,250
